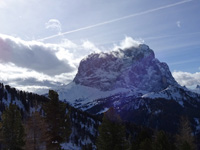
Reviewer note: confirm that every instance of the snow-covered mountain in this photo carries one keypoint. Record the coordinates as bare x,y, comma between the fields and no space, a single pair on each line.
134,82
131,71
197,89
131,68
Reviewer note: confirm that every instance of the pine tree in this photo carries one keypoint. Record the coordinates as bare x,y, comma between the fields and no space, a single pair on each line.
143,141
146,144
12,130
161,142
36,129
185,140
57,120
111,133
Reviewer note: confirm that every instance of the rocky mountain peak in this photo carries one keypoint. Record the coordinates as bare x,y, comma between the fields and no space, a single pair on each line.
132,68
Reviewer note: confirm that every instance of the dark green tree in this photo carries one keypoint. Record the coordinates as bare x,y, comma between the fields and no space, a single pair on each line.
143,141
146,144
112,135
57,120
185,140
36,129
161,141
12,129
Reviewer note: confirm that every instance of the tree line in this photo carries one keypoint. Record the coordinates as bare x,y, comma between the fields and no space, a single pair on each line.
113,136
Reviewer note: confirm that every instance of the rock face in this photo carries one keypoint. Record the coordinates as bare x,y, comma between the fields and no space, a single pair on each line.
133,68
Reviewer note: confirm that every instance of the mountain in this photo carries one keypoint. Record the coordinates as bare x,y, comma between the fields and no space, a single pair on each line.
132,68
197,89
135,83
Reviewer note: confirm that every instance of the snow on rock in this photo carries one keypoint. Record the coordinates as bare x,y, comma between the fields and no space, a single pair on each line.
197,120
16,102
166,94
157,112
102,111
70,146
81,95
197,89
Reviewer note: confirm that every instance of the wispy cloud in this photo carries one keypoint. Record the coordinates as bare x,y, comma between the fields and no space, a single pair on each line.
54,24
117,19
172,35
184,62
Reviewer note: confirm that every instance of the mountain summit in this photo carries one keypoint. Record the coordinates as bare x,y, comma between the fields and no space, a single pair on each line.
132,68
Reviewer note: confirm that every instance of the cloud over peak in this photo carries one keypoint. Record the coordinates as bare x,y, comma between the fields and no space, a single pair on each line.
129,42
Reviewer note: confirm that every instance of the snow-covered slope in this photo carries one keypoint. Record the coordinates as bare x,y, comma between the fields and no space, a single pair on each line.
85,97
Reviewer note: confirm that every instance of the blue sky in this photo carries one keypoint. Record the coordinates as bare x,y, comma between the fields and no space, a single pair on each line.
65,31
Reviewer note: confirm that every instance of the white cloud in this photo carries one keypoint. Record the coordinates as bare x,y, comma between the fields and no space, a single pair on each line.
54,24
30,80
90,46
34,88
129,42
178,23
33,55
186,78
2,4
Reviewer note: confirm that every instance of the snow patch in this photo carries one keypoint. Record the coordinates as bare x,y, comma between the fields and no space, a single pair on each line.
197,120
102,111
70,146
79,94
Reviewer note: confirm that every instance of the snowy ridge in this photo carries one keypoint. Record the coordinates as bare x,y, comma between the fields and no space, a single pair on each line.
197,89
179,94
79,95
169,93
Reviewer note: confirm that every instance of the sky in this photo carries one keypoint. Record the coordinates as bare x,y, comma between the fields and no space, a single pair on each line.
42,42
